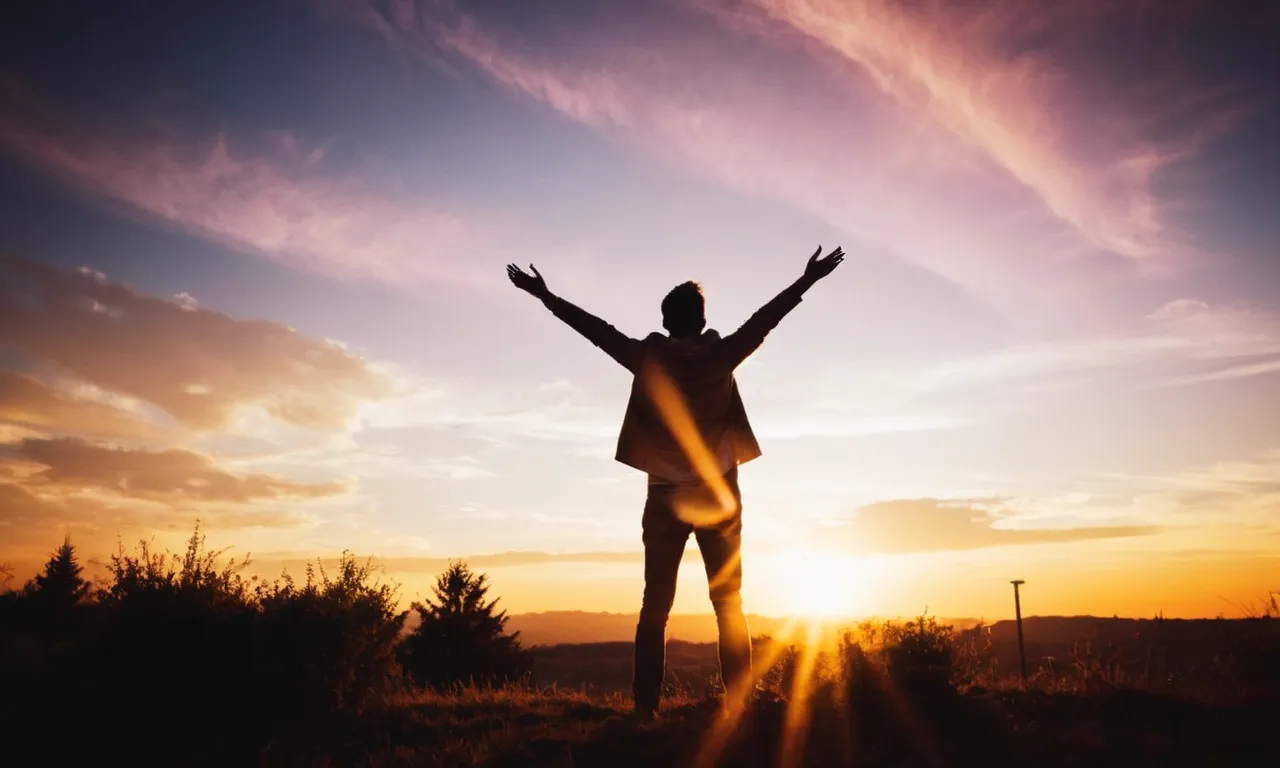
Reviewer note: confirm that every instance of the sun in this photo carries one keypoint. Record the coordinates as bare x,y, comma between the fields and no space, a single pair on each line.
820,585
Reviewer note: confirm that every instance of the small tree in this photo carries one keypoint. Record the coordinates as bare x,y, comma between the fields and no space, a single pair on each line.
461,638
60,585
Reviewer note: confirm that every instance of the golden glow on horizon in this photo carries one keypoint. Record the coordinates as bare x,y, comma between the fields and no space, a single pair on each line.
820,584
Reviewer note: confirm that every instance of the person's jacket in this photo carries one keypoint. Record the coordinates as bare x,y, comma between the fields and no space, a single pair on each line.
684,414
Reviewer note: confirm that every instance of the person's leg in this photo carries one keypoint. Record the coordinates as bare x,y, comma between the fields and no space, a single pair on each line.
721,547
664,539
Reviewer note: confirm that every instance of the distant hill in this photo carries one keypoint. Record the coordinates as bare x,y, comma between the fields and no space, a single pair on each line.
1152,652
1044,635
555,627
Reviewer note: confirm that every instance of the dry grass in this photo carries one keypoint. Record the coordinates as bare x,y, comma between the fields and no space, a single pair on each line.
522,726
177,660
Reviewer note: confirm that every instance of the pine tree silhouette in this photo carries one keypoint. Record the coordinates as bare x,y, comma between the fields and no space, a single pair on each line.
60,585
461,638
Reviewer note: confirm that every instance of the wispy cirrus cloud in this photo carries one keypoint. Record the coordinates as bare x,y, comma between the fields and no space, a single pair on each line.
1205,499
34,517
407,564
966,118
195,364
27,402
931,525
272,196
986,72
1226,504
1185,341
1239,490
174,475
108,391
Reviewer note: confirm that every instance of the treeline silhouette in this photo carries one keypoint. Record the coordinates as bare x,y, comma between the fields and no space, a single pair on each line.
179,658
182,651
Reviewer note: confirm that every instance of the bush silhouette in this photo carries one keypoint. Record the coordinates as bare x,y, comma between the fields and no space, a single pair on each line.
185,648
920,655
181,654
182,624
331,642
460,638
888,665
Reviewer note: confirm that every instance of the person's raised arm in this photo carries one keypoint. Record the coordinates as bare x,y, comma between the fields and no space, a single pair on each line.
739,345
627,351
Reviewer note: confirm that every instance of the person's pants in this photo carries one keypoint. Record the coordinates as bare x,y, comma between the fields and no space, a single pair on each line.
671,513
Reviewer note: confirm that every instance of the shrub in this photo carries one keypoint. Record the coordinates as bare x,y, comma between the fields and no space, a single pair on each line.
975,661
1256,656
188,654
174,647
920,655
330,644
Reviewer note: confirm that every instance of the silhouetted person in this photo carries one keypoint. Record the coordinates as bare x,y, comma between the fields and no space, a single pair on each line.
686,427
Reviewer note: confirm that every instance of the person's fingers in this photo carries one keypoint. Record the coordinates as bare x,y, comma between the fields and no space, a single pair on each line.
535,271
816,254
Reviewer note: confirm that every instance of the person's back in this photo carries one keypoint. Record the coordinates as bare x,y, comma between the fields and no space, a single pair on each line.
701,400
687,429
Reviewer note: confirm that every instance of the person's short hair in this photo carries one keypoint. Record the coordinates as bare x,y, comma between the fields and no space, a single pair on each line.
684,310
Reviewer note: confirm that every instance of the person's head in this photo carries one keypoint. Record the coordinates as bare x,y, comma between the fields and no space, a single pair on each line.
684,310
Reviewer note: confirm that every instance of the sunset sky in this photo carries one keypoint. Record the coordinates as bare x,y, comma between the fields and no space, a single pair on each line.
252,272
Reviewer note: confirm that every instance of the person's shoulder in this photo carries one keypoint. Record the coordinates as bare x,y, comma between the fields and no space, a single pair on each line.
655,344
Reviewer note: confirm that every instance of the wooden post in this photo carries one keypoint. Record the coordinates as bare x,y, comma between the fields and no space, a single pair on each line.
1017,612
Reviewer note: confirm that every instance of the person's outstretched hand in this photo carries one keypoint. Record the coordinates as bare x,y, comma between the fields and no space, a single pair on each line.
531,284
820,266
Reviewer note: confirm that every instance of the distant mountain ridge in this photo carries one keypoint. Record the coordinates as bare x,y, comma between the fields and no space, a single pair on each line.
1156,651
555,627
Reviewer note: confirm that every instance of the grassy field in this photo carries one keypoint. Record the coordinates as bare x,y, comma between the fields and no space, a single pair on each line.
980,726
914,694
176,660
